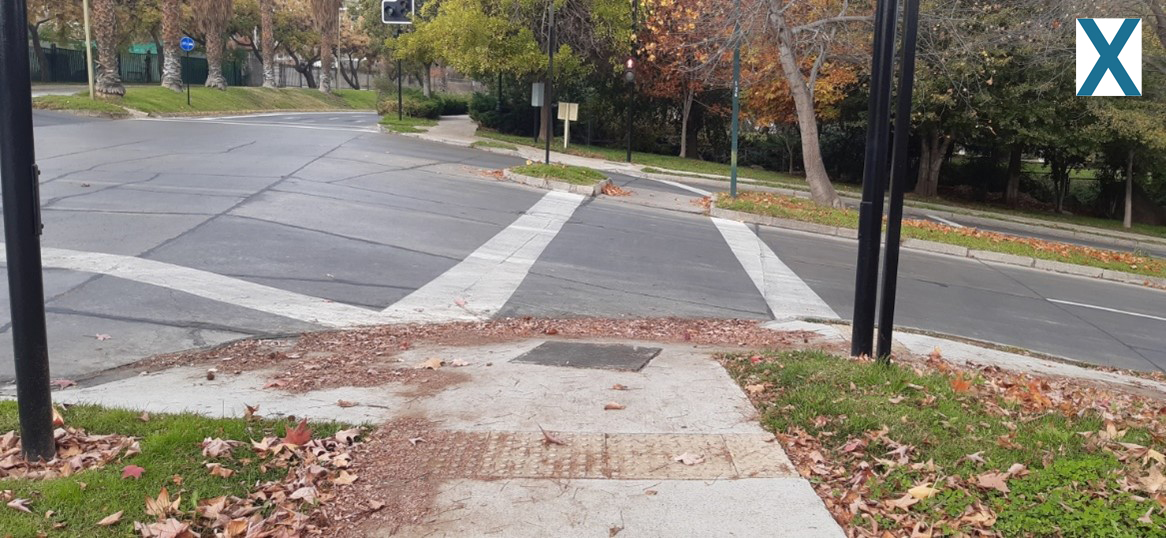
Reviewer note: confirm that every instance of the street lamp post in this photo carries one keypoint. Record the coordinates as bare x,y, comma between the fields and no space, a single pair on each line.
22,227
874,175
550,84
736,98
631,75
898,180
88,47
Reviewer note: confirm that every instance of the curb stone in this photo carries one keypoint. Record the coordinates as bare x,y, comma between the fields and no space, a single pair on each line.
948,250
554,185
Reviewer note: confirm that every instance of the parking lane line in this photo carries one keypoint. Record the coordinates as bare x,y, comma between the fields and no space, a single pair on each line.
945,221
788,296
481,284
1106,309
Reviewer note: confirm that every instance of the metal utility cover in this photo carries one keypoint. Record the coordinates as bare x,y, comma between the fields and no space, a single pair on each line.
583,355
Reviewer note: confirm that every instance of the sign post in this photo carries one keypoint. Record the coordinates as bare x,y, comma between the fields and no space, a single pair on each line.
22,228
568,112
399,12
187,44
536,101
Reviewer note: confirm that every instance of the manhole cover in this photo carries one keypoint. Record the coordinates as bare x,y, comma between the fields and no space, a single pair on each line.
580,355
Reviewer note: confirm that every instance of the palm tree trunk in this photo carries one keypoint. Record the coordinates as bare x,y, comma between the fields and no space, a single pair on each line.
214,61
108,81
267,41
171,34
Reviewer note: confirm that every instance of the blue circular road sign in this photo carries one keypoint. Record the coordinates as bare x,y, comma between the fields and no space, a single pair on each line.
187,44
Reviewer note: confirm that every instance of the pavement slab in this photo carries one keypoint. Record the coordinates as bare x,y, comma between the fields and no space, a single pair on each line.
684,456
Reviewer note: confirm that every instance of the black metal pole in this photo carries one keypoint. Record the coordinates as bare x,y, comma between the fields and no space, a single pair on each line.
631,96
874,176
400,98
187,82
898,180
550,81
22,227
631,83
498,105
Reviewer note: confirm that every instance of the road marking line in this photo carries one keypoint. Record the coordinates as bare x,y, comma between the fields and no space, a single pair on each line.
211,286
1106,309
945,221
788,296
699,192
290,114
487,278
264,124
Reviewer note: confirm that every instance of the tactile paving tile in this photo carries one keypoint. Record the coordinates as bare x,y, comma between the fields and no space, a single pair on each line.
651,456
528,455
630,456
758,455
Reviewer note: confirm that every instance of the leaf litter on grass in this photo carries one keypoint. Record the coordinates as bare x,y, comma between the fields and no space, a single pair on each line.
995,454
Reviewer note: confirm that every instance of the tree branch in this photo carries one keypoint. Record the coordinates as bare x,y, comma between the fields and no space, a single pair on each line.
832,20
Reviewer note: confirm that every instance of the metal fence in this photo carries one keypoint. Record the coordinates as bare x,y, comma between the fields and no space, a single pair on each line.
68,65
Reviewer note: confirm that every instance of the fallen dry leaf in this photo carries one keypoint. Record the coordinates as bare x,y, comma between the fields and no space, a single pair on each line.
922,491
996,481
58,419
755,389
414,440
300,435
214,448
344,478
617,386
431,364
250,411
347,437
132,471
689,458
161,506
170,528
903,502
102,337
111,519
63,383
144,417
346,403
458,363
275,383
613,406
219,471
19,504
550,439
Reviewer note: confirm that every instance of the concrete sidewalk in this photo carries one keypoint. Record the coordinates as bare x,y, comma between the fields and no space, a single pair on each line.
670,449
495,475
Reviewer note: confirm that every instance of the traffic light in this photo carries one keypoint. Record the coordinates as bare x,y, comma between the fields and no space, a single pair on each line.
397,11
629,72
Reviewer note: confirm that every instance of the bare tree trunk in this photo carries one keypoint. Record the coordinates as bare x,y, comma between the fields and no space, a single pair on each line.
935,147
1012,190
267,42
171,34
1128,220
444,80
821,190
427,81
685,110
46,74
108,81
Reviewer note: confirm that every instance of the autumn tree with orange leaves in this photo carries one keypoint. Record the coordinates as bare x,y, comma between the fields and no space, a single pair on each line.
683,54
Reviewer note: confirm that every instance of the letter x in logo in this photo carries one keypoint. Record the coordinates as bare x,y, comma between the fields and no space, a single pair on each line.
1109,57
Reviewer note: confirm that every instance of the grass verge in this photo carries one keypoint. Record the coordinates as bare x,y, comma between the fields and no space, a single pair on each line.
407,124
666,163
171,455
576,175
928,451
493,144
160,101
801,209
80,104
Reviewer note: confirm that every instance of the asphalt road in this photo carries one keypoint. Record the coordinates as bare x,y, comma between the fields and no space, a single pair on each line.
168,234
